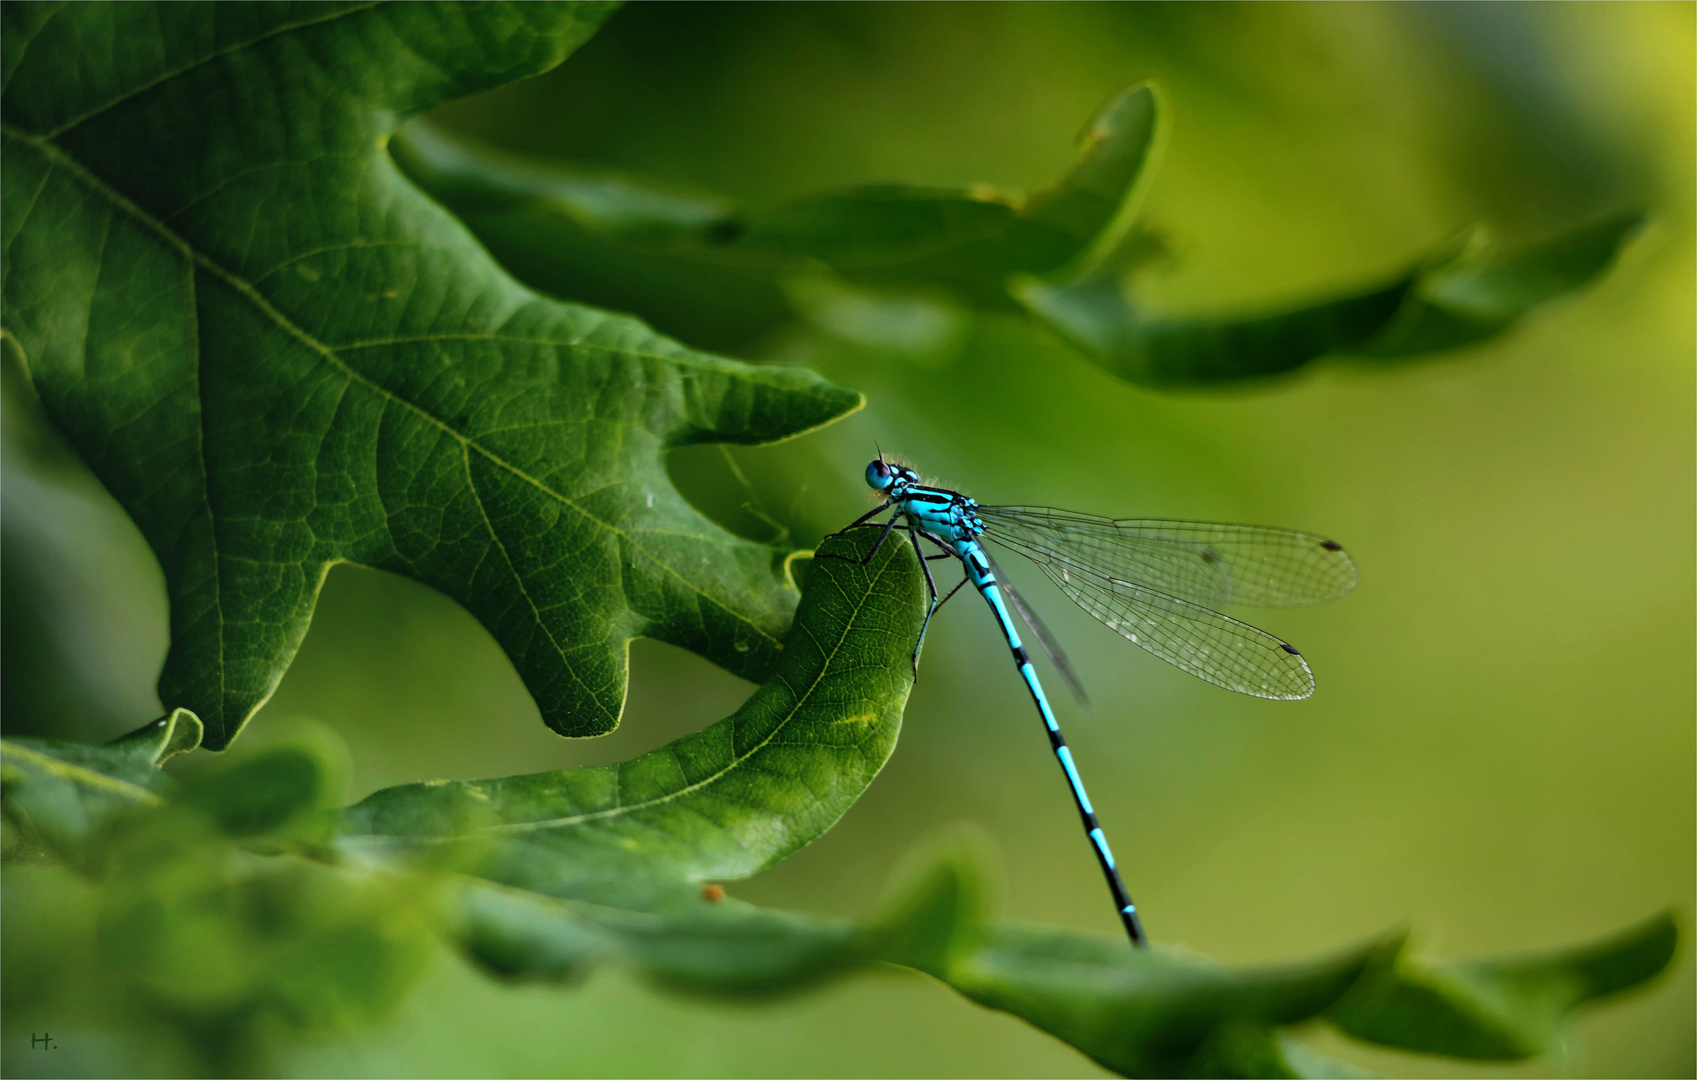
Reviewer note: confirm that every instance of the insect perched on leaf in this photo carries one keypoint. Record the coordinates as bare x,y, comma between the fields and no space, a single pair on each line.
1153,582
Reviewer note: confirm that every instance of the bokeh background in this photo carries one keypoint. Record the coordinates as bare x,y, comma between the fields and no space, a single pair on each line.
1501,752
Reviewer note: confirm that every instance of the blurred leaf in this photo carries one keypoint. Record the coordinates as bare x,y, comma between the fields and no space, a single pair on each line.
698,267
1157,1012
190,930
926,328
972,239
482,182
279,355
57,794
233,948
625,243
698,939
721,947
1151,1013
1060,253
287,793
230,951
1136,1013
716,805
1483,292
1452,302
1096,316
1258,1051
1499,1009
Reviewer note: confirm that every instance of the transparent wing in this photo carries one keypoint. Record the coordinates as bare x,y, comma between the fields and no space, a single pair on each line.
1203,562
1205,643
1051,647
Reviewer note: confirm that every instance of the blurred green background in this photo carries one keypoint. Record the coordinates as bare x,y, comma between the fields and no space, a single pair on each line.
1501,752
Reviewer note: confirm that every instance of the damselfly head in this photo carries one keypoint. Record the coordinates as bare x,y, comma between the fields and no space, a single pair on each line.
883,475
880,474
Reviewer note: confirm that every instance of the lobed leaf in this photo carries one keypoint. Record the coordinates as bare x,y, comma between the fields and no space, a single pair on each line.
280,355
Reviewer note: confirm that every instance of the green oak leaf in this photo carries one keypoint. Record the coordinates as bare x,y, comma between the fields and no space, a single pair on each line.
279,354
1503,1008
1450,302
716,805
57,794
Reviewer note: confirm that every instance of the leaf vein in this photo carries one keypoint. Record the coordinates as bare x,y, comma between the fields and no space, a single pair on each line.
518,579
199,406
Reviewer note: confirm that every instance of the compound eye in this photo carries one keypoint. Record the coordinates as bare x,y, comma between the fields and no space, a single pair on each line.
879,476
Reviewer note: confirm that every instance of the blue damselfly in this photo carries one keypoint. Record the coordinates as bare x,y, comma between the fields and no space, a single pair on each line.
1153,582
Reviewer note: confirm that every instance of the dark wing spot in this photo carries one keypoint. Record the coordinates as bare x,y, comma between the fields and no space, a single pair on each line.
1210,556
1289,648
1331,545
